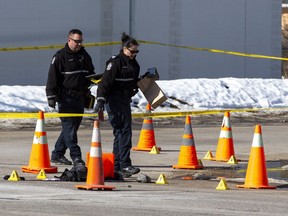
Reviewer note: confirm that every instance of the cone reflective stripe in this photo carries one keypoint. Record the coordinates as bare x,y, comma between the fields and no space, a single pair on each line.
188,139
40,138
256,173
187,127
188,156
39,156
147,137
225,133
225,147
257,139
95,152
95,175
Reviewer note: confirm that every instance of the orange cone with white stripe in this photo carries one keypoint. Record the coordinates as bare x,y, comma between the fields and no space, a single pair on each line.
188,156
225,148
256,174
108,160
95,175
39,156
147,137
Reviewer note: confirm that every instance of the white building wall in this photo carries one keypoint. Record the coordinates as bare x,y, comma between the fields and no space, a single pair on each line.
234,25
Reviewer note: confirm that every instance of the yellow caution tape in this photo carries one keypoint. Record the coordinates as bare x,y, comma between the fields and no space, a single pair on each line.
15,115
217,51
268,169
47,115
196,112
46,47
102,44
30,48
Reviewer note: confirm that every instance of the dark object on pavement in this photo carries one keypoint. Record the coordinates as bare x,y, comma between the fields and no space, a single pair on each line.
142,178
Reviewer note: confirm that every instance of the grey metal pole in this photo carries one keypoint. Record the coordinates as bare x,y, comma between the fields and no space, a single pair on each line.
131,16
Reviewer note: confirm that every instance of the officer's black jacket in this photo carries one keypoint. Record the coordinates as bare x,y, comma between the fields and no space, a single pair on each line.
68,71
119,78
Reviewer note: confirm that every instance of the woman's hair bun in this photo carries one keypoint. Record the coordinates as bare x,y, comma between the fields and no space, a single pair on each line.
125,37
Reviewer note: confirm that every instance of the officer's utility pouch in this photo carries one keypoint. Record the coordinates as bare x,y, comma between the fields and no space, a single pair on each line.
89,101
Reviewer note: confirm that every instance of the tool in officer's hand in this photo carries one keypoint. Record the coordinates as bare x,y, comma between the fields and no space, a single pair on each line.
100,115
95,78
99,109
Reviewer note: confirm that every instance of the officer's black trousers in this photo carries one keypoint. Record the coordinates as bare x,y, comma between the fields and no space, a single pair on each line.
70,125
119,112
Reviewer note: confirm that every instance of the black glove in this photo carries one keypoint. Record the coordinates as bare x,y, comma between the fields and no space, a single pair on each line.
99,105
135,91
52,102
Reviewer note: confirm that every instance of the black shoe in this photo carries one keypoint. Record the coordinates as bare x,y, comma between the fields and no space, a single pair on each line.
61,160
130,170
118,176
125,175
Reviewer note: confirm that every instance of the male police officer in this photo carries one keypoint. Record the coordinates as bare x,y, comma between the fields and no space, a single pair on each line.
67,85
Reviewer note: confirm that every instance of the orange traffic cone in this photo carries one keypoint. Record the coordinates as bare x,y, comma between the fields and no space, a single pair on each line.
108,164
39,156
188,156
256,174
95,175
225,148
147,136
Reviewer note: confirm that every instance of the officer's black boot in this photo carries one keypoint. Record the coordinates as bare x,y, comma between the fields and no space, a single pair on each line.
129,171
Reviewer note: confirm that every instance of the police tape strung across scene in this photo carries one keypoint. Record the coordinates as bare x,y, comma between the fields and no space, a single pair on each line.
227,52
22,115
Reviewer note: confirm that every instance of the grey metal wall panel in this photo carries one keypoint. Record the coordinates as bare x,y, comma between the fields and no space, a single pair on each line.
232,25
263,31
41,22
236,25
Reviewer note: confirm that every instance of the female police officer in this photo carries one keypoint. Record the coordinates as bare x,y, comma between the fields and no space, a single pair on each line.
117,86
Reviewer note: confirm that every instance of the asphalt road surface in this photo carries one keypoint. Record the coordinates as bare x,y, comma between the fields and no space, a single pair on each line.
178,197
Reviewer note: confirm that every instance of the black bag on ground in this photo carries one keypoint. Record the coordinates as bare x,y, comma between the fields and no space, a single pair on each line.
73,175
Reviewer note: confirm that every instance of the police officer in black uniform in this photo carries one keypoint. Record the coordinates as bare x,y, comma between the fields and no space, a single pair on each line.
117,86
67,85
